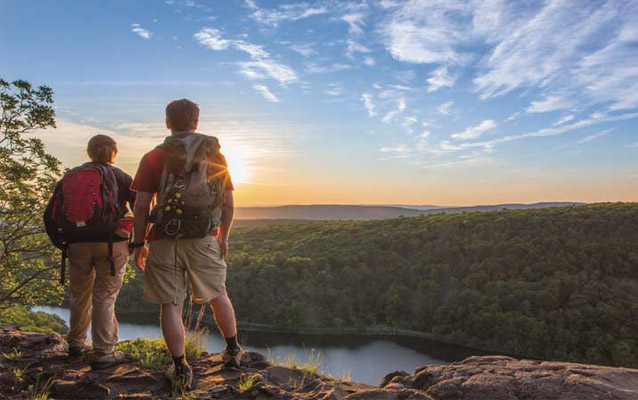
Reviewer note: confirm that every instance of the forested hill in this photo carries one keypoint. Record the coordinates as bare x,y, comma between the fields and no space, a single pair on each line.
345,211
551,283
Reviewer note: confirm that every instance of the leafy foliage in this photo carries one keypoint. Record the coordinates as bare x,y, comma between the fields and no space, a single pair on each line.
553,283
32,321
27,177
153,353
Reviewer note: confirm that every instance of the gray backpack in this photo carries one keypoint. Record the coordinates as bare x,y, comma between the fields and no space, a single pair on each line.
191,191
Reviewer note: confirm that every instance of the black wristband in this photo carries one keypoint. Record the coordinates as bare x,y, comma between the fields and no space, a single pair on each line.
136,245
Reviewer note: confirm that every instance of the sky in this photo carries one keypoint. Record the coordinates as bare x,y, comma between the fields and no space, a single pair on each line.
417,102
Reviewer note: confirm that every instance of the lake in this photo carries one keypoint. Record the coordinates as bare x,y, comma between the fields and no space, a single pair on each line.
364,359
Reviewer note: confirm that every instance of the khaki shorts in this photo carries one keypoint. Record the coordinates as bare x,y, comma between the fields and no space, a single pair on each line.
171,262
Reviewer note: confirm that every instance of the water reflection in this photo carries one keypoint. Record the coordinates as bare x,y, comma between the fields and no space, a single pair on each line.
365,358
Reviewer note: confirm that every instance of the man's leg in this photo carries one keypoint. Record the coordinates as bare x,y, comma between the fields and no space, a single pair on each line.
224,315
173,328
81,277
225,319
105,291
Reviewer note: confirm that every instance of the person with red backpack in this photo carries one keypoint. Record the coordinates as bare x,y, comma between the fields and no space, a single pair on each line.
188,242
87,219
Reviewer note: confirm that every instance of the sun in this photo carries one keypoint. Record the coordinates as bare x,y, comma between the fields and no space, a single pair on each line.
237,166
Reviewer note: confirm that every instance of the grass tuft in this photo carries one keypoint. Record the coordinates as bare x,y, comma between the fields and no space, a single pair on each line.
13,355
41,393
19,373
153,353
245,383
310,366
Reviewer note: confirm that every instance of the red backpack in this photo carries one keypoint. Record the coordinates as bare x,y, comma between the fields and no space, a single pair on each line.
84,204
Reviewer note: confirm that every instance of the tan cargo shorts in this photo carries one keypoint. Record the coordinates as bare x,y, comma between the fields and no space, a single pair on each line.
172,263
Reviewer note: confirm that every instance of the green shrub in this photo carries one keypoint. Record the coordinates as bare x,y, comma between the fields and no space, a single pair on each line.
153,353
32,321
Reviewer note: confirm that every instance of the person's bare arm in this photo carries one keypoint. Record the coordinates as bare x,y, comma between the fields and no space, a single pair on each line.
228,213
140,226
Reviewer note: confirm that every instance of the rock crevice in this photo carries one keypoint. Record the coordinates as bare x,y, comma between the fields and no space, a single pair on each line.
39,358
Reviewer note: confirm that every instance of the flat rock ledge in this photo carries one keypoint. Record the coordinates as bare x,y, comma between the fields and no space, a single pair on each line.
44,356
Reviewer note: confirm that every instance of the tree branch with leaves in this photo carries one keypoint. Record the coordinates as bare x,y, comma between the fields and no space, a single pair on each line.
28,175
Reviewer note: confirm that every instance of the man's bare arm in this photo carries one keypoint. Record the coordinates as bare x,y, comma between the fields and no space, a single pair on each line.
142,210
228,213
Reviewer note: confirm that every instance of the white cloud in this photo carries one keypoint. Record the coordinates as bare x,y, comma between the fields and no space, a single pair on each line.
305,50
354,47
590,54
259,69
144,33
402,148
314,68
212,38
595,136
355,22
390,115
254,50
427,32
285,12
564,120
633,145
445,108
368,103
555,130
262,65
550,103
475,131
369,61
439,78
265,91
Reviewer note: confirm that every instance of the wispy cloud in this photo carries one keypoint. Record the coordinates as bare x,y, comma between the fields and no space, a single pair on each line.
368,103
334,89
554,131
550,103
265,91
524,44
144,33
354,47
595,136
284,12
211,38
261,66
305,49
564,119
445,108
439,78
475,131
315,68
389,116
261,69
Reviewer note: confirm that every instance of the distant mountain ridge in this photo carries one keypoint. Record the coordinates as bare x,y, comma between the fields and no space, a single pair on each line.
356,212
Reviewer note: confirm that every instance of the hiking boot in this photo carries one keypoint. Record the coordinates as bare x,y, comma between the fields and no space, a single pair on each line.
75,350
101,361
182,382
232,358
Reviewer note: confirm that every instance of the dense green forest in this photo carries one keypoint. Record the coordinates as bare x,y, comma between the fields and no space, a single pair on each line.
552,283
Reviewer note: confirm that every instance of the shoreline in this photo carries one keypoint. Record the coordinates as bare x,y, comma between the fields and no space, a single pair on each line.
149,317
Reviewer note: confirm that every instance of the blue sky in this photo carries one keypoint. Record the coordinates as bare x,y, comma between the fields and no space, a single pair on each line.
412,102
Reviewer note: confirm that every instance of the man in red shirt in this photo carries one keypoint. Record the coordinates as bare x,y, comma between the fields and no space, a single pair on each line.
175,263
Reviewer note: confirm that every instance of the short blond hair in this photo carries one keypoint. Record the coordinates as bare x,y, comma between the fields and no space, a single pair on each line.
182,115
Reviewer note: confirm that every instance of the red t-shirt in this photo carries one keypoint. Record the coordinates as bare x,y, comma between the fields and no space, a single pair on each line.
149,176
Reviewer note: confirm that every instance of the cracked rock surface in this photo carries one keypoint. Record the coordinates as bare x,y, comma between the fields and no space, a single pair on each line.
44,356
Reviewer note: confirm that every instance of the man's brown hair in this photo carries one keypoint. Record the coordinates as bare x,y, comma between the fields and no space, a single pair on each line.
102,149
182,115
